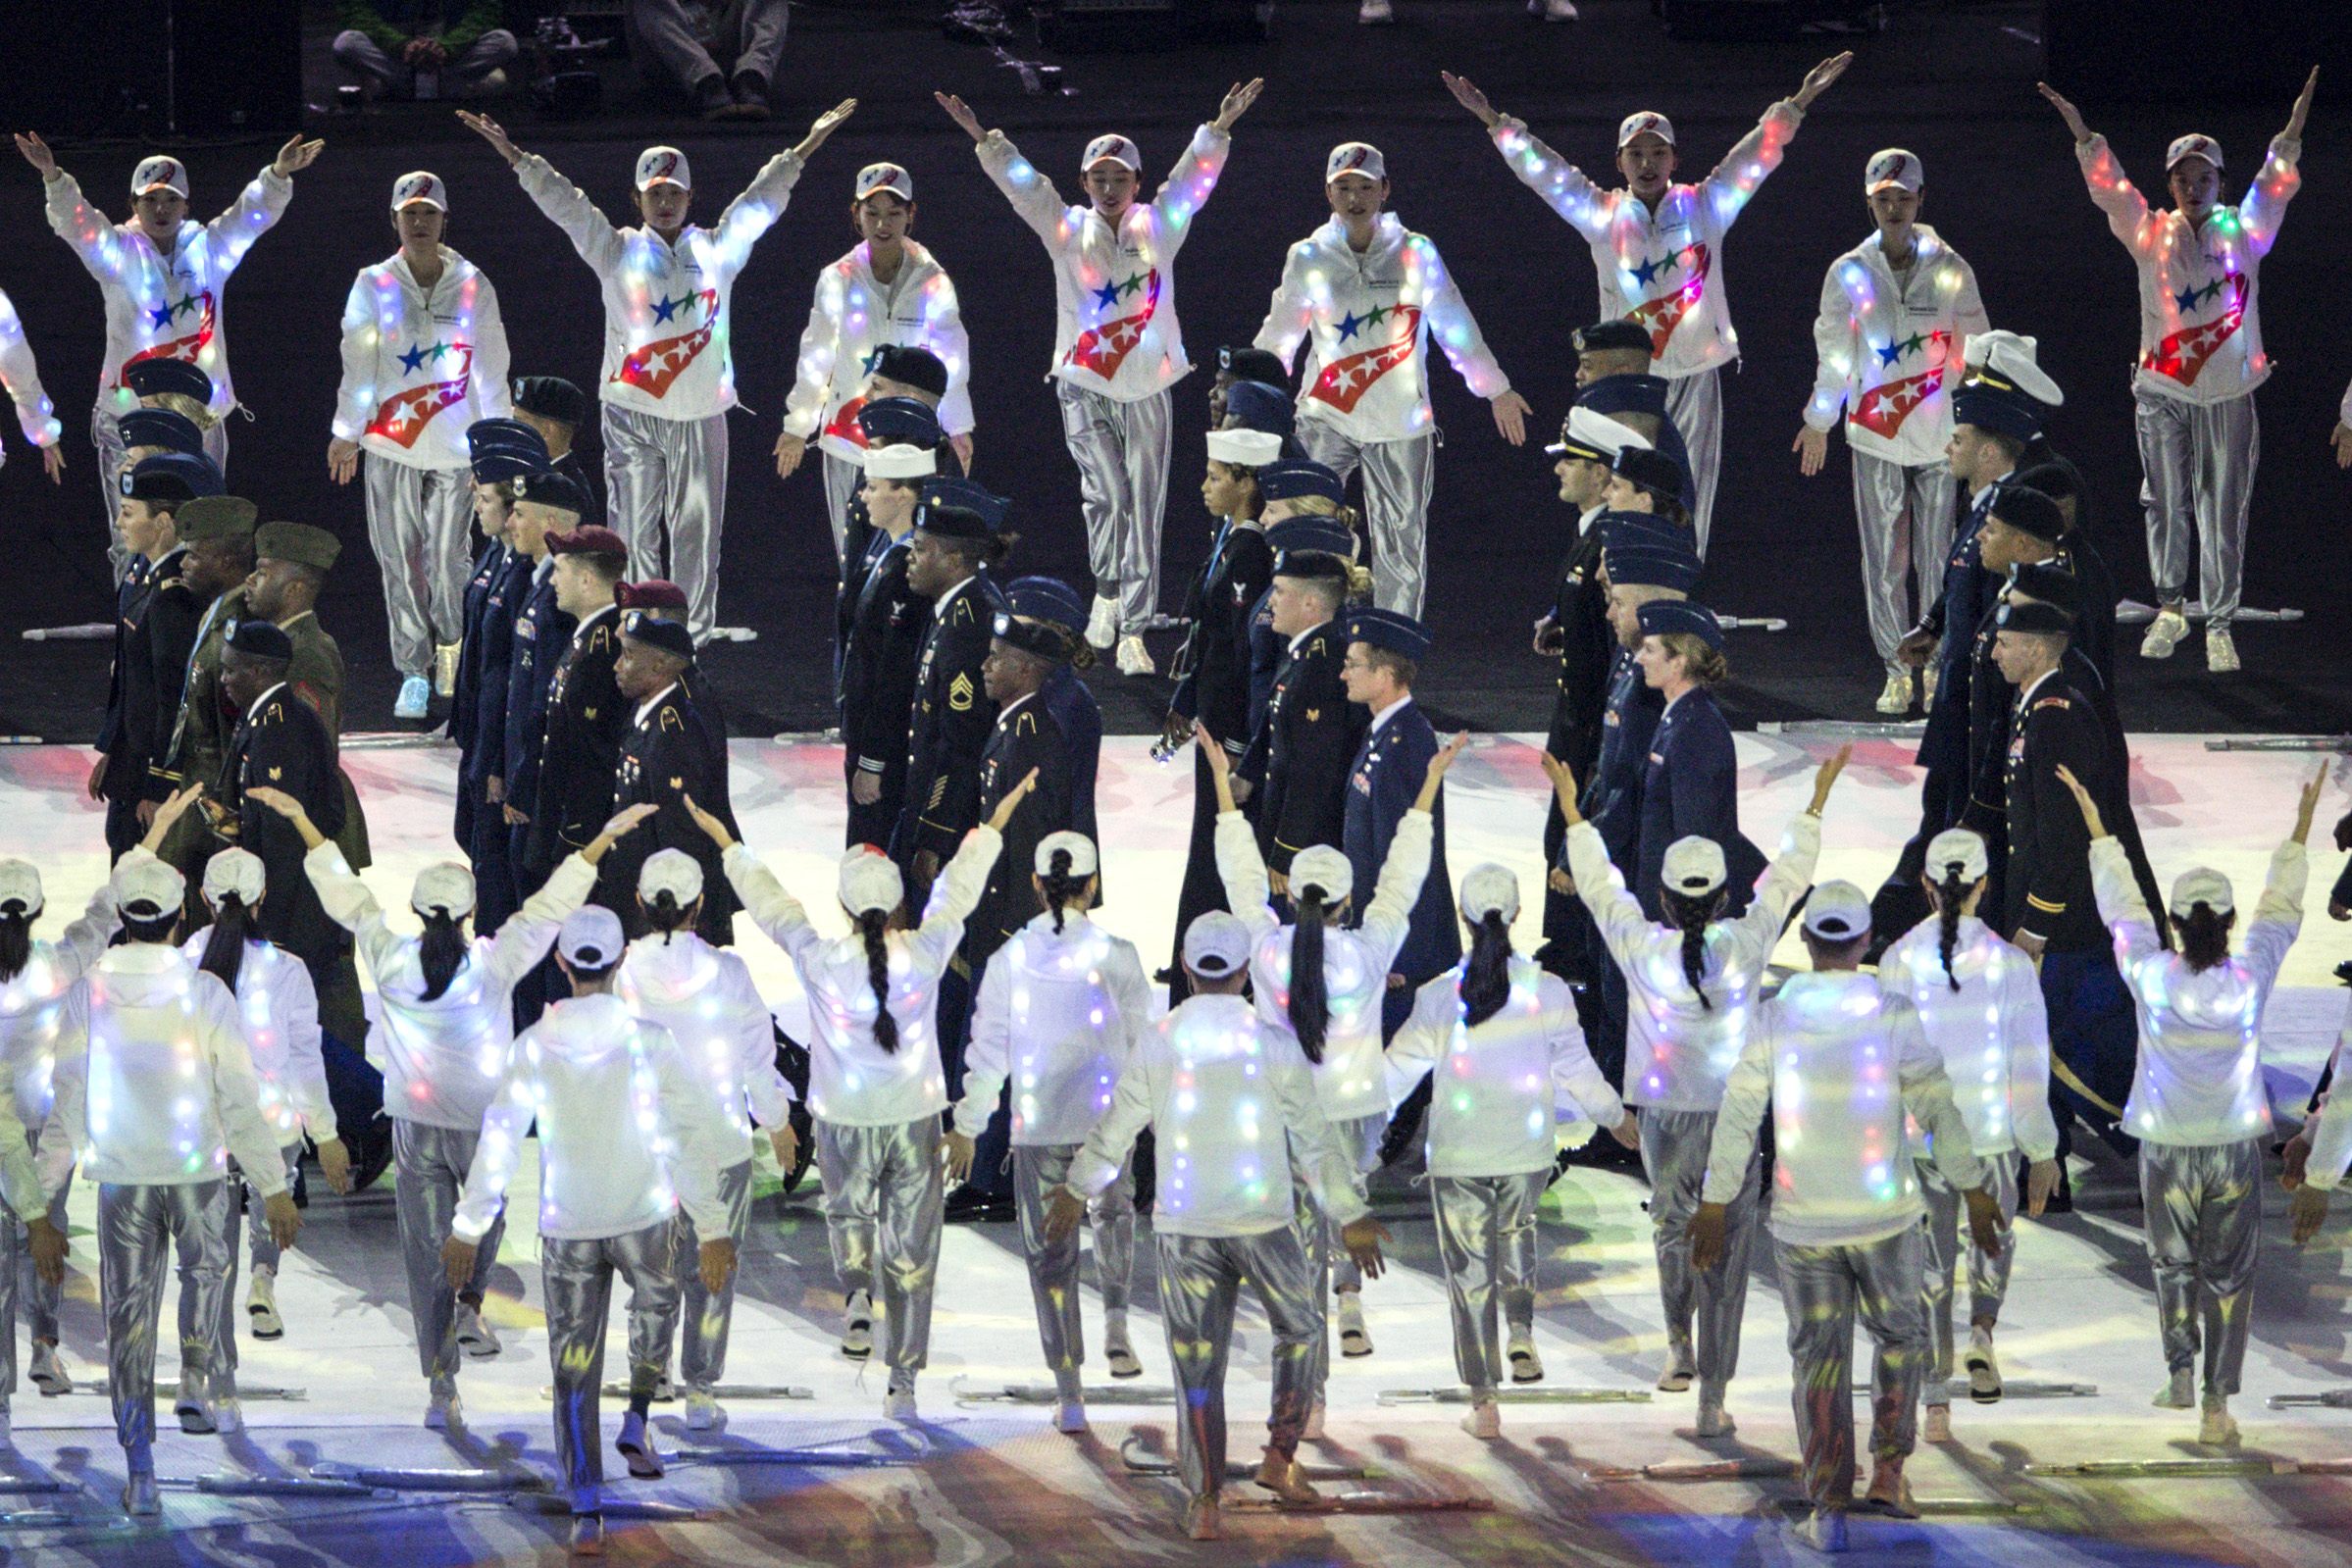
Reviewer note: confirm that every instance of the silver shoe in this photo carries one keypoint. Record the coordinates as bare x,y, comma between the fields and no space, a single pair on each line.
49,1373
2221,651
636,1445
476,1338
2166,633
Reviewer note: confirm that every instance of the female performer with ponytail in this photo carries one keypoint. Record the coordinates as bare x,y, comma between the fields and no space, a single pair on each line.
2198,1103
1980,1003
876,1084
703,995
1691,983
1060,1005
1326,983
443,1028
279,1011
1503,1037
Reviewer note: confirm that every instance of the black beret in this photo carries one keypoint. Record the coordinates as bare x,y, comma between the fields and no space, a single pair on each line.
2028,511
552,489
671,636
1253,365
551,397
1619,334
2049,582
261,640
2046,619
910,366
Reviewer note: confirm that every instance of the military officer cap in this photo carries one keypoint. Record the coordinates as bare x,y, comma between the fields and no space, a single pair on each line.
2029,614
1244,363
261,640
491,435
215,517
2049,582
170,478
1641,566
1651,470
654,593
1616,334
160,427
911,364
1261,406
2028,511
1298,478
899,421
299,542
1594,437
1663,618
1399,635
157,375
1992,402
670,636
1647,530
1044,617
551,397
585,541
1309,536
551,488
957,509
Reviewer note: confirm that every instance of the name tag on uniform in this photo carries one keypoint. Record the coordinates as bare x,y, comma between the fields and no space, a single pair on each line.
1362,782
1610,718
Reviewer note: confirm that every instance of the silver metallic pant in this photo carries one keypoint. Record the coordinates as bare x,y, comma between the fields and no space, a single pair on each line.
1486,1239
236,1198
1703,1310
136,1224
1121,450
417,525
1333,1268
19,1280
1199,1283
885,1201
704,1314
2203,1211
661,471
842,478
114,458
1822,1289
1905,516
428,1173
1038,1171
2197,465
1988,1272
1399,479
1695,403
577,1280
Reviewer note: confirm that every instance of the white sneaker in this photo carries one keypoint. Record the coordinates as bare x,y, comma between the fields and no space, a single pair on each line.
1680,1369
2164,634
1484,1421
1102,623
416,696
1823,1530
1135,658
1117,1351
194,1418
1935,1424
1374,12
1313,1431
635,1444
1713,1419
2221,651
1896,698
858,1333
443,1413
1525,1365
228,1415
898,1404
1984,1373
475,1337
2217,1429
261,1307
1552,10
702,1412
2179,1394
49,1373
1354,1340
1069,1416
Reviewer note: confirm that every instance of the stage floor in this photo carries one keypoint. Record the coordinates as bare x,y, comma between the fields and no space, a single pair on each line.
996,1482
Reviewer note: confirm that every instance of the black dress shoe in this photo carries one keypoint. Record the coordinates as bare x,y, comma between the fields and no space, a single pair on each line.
966,1206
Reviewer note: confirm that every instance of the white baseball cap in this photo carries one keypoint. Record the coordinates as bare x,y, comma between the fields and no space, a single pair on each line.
1648,123
147,888
21,884
234,871
870,880
1080,846
159,173
1116,149
2201,885
901,461
1693,868
1957,846
1216,945
2193,145
2011,356
663,165
1838,912
885,177
419,186
1354,158
1897,167
591,938
444,887
1245,449
1322,865
673,871
1488,890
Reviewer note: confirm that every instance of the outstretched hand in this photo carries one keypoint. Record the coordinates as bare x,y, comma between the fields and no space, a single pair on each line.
1465,93
2307,804
825,125
1438,765
296,156
2294,122
489,130
712,828
1819,79
623,823
1563,785
1825,778
2066,111
1237,99
2082,798
961,112
37,153
172,810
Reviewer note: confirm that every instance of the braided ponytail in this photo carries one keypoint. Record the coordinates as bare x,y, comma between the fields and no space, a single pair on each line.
870,926
1690,916
1310,1007
1486,977
1949,895
1060,886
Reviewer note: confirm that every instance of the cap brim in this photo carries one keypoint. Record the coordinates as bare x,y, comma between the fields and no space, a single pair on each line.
420,201
1891,184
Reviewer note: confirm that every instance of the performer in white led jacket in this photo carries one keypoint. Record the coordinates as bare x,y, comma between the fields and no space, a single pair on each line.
1060,1004
2199,1106
1691,988
876,1086
21,380
1509,1054
704,997
1980,1003
669,361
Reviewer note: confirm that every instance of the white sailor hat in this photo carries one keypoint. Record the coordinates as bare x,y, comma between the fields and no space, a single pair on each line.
901,461
1245,449
2012,357
663,165
1595,437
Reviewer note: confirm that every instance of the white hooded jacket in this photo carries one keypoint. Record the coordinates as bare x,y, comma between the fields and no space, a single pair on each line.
1058,1012
1888,348
280,1010
855,314
21,380
419,365
38,1008
1993,1033
703,995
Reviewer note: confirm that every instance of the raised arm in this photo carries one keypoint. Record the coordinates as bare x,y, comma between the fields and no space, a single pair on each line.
2111,188
2278,914
1563,186
1615,910
590,233
2278,180
955,892
1032,194
1754,157
260,205
1791,871
1239,865
1186,188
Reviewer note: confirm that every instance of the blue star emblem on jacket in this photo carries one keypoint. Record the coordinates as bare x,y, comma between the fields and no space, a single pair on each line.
1891,353
413,361
161,315
1649,270
1349,324
1106,296
666,308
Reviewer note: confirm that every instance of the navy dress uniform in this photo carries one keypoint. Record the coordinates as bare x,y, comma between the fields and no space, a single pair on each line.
541,634
1212,670
952,715
669,751
1299,761
283,743
501,450
587,716
1289,480
155,633
551,397
881,633
1692,785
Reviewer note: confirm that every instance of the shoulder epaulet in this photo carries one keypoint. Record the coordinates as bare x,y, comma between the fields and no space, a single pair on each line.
2039,703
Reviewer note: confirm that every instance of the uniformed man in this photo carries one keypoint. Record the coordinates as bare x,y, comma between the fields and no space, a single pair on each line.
154,633
546,504
668,754
586,713
2095,618
1237,363
500,450
218,531
1298,764
484,679
1384,654
1304,493
555,410
948,563
883,623
1613,380
2048,910
904,388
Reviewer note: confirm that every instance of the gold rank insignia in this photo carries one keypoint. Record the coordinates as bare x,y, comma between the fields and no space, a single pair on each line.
670,720
959,693
1026,725
276,771
1312,714
677,783
589,713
